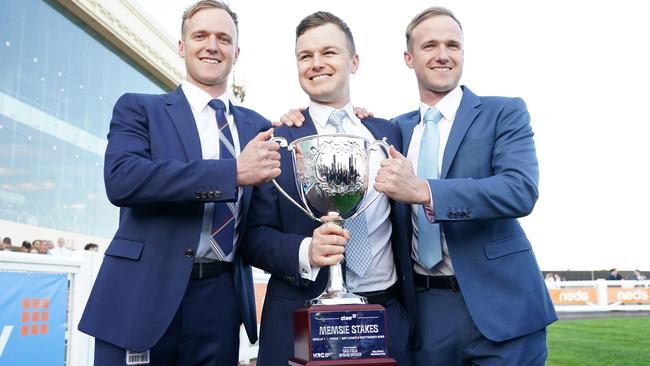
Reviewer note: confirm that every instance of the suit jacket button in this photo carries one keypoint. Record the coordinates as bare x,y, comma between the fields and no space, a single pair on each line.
189,252
217,194
197,194
211,194
204,195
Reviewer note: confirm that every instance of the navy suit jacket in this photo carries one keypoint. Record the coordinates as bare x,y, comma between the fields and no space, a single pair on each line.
276,229
155,173
489,178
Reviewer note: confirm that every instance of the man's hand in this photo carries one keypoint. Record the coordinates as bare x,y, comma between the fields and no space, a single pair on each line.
292,118
328,245
397,180
259,162
362,113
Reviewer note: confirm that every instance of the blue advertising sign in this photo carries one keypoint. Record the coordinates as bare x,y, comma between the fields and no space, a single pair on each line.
348,334
32,318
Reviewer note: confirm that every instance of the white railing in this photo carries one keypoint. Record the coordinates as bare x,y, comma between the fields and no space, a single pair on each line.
82,268
600,295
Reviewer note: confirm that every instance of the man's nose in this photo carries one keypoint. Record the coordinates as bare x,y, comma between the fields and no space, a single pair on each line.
317,62
212,43
443,54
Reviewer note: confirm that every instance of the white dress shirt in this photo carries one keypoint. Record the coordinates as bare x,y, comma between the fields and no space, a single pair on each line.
381,273
206,124
448,106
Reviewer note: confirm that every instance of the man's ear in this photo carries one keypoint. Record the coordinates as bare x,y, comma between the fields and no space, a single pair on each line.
234,59
355,63
408,59
181,49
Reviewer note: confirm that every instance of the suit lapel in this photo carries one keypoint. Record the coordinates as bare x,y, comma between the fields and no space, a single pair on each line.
307,129
406,126
246,132
181,115
465,116
376,129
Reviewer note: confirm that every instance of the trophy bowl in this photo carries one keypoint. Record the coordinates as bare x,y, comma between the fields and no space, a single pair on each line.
331,173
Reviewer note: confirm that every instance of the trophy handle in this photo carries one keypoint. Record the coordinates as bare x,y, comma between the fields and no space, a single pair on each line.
373,147
283,143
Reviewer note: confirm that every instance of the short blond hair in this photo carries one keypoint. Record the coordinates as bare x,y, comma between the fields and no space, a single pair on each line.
207,4
426,14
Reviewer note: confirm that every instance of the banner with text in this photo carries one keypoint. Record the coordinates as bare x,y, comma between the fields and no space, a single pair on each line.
32,318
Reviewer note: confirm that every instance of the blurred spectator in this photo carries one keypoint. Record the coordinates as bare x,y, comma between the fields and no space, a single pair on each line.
26,247
6,244
41,246
557,277
550,280
50,244
60,249
638,276
614,275
92,247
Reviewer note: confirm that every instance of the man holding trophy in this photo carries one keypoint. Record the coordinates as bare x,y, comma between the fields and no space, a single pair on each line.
294,247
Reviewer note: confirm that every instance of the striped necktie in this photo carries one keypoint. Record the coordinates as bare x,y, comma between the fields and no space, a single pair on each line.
223,222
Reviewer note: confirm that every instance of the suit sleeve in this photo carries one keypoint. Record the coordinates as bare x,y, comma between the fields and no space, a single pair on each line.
511,190
265,245
134,178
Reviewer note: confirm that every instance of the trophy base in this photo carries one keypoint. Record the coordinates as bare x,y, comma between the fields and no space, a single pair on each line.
339,335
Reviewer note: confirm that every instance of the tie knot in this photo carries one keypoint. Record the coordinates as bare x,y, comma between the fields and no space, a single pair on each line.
432,115
217,105
336,120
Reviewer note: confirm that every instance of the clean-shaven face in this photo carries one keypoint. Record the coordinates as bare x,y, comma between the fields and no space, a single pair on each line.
209,47
325,63
436,55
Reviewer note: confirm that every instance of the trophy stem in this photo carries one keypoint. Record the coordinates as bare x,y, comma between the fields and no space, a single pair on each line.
336,292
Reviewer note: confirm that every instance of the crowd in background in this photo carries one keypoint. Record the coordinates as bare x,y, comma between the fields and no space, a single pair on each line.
42,246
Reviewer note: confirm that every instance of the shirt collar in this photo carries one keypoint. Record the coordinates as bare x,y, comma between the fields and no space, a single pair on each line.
320,113
198,98
448,105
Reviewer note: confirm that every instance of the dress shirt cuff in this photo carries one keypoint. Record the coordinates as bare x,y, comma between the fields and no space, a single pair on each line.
307,271
429,210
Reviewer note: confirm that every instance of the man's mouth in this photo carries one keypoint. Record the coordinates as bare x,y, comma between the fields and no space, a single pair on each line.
208,60
320,77
441,68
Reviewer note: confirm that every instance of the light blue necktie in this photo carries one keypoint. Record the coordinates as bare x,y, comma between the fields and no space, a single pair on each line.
429,249
357,252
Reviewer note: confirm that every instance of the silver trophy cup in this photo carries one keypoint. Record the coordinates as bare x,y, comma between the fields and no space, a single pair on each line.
332,179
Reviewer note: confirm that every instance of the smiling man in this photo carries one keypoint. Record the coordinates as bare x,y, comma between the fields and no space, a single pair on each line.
470,172
295,249
173,289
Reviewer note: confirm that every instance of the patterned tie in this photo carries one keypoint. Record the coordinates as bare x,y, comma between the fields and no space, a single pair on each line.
429,249
357,252
223,222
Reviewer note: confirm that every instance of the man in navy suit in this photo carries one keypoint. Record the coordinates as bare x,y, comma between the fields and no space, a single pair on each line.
295,249
481,298
173,289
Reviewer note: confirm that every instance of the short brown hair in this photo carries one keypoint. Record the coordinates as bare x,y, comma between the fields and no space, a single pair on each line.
426,14
206,4
321,18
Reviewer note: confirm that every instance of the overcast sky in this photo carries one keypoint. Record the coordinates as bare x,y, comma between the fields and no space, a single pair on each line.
581,67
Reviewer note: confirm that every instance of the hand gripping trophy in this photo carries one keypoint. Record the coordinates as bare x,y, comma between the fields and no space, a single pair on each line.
332,176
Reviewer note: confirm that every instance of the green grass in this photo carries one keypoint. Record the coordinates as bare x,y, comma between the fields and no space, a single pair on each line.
599,342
